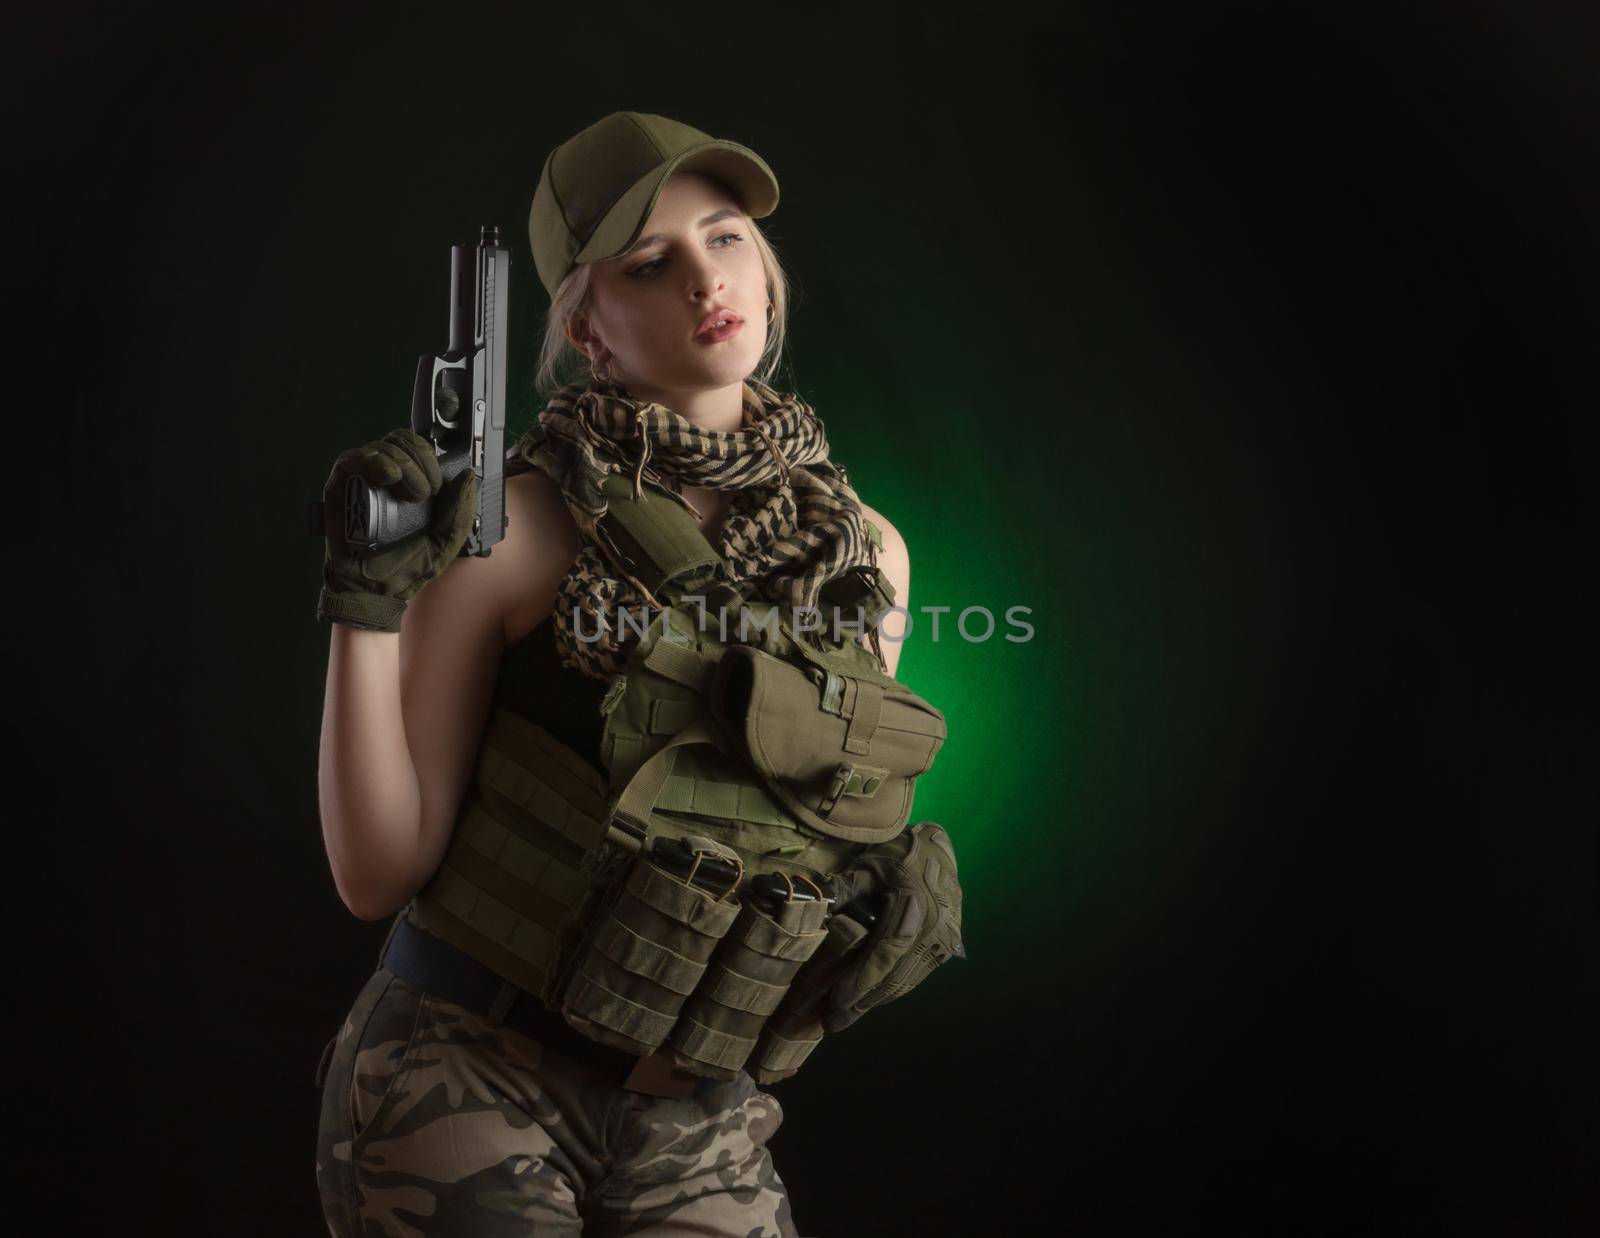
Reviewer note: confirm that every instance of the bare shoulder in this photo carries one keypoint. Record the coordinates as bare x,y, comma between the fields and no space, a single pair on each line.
540,545
534,497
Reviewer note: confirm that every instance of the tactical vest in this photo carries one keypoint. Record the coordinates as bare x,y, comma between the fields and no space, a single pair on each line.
665,901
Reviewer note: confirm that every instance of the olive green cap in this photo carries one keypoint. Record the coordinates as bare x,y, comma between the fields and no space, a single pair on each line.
598,188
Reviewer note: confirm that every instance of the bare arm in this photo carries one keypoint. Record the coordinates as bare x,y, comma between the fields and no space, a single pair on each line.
895,560
403,714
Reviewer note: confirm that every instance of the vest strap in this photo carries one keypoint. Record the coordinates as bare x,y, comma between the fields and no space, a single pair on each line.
863,705
629,821
680,664
654,537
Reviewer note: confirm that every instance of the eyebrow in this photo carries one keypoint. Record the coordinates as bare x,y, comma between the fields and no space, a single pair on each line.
730,212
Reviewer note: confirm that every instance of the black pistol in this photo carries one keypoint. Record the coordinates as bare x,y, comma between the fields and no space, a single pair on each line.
458,403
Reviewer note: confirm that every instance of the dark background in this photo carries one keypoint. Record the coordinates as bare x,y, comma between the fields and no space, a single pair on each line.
1253,344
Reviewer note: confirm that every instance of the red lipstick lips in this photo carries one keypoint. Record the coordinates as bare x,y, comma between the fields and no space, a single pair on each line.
709,332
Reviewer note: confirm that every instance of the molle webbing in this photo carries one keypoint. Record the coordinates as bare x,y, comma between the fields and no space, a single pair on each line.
714,797
747,980
512,871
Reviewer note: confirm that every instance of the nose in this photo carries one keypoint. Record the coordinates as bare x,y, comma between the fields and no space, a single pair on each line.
705,277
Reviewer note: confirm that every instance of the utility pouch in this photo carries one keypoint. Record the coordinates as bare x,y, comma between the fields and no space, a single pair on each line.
747,979
647,948
840,751
862,589
795,1028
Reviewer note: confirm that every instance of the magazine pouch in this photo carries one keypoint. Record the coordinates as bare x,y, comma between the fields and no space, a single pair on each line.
648,945
748,977
795,1028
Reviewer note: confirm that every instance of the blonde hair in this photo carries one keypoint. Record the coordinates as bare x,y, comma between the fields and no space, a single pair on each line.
560,363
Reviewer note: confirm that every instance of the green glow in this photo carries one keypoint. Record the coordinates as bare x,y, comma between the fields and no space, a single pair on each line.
999,783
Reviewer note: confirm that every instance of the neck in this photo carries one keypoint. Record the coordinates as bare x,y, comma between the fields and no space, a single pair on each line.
717,408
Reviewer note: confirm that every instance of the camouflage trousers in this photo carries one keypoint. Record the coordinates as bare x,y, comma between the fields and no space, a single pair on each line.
436,1123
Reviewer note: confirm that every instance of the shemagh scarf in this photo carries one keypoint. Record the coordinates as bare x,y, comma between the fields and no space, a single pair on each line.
794,522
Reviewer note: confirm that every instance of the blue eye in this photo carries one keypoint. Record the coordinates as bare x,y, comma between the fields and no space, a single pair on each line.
649,268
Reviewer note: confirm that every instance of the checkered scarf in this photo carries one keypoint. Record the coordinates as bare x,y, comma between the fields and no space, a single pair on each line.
793,525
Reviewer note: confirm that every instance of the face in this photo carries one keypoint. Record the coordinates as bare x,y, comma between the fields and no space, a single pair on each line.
647,306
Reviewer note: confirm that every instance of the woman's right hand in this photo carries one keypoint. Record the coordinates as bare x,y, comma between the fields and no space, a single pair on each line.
370,589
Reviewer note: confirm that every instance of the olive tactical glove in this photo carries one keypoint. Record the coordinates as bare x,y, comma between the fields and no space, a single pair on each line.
911,880
370,589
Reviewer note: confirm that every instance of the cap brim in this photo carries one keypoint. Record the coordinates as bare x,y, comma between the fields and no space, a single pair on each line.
738,167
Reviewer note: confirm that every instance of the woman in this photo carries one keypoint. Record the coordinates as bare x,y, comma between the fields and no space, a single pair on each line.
453,1102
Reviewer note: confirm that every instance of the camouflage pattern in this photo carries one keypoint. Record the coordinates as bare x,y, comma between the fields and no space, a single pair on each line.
436,1123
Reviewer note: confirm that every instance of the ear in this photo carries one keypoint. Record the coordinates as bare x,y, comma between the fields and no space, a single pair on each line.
579,335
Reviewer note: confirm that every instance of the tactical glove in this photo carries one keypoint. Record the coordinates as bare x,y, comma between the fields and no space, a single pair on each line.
912,881
370,589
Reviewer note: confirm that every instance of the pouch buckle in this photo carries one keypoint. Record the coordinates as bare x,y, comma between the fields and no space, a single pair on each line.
849,778
620,835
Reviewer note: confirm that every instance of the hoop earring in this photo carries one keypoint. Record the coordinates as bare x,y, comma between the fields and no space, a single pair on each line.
772,313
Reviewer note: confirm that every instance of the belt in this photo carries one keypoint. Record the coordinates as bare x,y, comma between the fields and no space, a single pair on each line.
435,966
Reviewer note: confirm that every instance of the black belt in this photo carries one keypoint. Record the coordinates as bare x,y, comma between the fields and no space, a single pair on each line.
435,966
